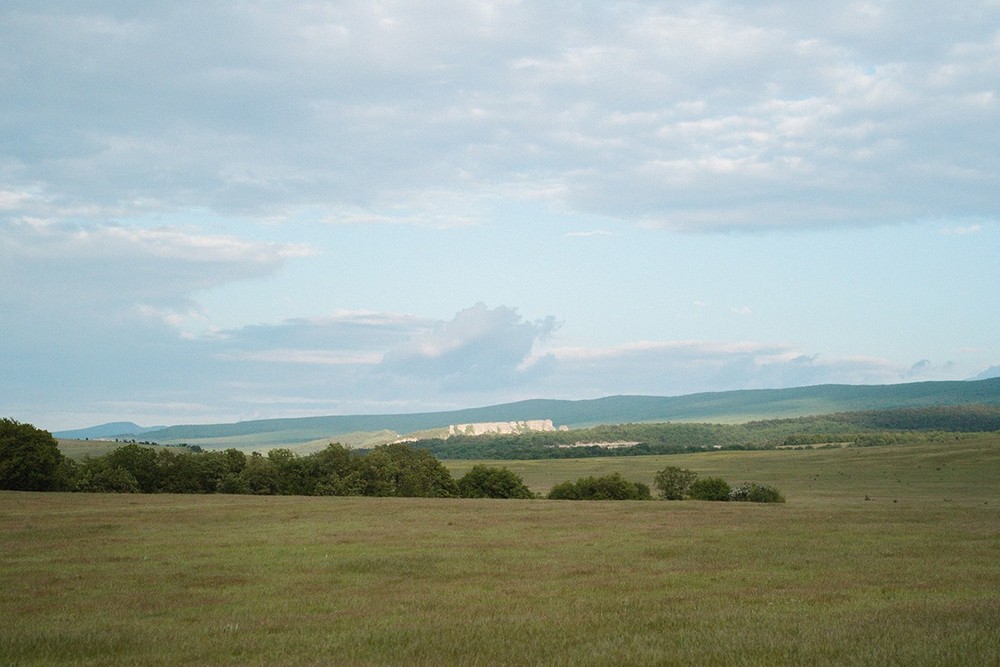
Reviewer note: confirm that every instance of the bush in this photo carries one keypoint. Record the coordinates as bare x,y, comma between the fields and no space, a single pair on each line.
490,482
756,492
709,488
564,491
674,482
609,487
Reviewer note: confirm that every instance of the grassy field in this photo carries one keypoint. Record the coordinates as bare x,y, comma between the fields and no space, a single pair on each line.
909,577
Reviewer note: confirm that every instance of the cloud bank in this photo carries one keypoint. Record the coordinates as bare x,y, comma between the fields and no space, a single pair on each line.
688,117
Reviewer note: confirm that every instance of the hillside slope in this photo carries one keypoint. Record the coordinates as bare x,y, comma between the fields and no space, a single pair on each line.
730,406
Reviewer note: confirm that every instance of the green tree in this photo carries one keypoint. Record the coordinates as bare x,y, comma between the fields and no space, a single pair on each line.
29,458
180,472
291,478
398,470
260,477
673,482
110,480
328,470
484,481
140,461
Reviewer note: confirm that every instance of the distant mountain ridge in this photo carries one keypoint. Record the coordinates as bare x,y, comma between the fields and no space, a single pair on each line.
109,430
727,406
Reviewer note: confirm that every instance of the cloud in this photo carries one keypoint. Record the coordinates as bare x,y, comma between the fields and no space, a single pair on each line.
479,349
963,230
106,272
590,234
369,362
709,116
681,367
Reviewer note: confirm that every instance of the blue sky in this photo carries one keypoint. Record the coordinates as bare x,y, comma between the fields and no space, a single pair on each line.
217,211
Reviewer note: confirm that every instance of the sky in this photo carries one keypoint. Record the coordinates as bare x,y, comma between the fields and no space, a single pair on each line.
214,211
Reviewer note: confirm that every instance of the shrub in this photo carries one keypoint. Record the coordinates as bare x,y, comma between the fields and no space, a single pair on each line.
709,488
674,482
491,482
755,492
609,487
564,491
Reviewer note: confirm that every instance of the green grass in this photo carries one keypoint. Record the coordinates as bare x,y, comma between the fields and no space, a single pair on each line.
959,466
910,577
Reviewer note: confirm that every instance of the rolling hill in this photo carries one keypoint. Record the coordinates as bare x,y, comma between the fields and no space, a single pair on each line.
720,407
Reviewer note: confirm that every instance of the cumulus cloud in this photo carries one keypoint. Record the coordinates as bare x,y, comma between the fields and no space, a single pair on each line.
479,349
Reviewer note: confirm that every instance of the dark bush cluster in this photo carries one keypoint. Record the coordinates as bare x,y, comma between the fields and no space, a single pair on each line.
491,482
675,483
756,492
609,487
709,488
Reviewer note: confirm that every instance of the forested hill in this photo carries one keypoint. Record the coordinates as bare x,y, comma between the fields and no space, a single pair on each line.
730,406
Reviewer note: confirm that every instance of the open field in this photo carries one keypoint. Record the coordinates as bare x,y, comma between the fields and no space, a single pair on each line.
910,577
960,466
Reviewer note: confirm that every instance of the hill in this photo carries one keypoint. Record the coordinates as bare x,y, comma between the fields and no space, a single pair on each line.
110,430
717,407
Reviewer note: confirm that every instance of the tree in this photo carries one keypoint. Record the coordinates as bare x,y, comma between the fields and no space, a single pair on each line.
111,480
398,470
29,458
674,482
141,462
291,478
259,477
180,473
484,481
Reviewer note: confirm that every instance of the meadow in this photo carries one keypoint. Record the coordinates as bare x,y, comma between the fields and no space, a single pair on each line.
882,555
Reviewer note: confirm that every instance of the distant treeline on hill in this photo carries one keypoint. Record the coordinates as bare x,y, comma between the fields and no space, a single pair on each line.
728,407
859,428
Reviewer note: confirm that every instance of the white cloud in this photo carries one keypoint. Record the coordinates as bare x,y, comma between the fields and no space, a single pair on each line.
479,349
109,272
681,367
800,116
590,234
964,229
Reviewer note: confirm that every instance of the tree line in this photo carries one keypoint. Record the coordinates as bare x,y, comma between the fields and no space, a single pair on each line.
30,460
862,428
